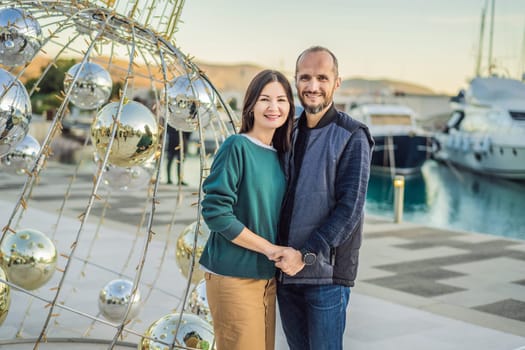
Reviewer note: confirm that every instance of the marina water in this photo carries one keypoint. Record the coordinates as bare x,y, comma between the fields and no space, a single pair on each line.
450,198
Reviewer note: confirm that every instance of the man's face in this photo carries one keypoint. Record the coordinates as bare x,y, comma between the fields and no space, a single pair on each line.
316,81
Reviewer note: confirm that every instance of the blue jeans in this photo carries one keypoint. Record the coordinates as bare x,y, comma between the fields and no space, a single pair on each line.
313,316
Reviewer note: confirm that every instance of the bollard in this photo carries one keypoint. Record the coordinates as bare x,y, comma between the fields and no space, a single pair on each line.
399,191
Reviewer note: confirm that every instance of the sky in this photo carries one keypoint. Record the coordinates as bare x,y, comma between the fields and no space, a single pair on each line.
433,43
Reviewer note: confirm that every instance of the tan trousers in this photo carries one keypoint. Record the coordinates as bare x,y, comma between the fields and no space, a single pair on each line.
243,312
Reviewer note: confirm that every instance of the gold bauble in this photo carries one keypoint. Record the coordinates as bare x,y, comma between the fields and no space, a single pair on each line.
5,296
185,249
29,258
193,332
136,138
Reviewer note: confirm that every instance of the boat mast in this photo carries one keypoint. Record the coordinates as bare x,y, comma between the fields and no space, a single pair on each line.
491,37
480,45
522,73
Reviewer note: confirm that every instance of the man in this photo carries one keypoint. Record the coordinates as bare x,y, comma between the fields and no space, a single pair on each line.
322,215
174,153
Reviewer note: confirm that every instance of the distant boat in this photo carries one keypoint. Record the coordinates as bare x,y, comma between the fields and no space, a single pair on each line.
486,132
400,146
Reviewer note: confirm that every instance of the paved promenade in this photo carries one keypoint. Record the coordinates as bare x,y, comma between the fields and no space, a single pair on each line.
418,287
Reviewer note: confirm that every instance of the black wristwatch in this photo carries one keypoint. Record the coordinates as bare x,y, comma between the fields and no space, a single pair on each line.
309,258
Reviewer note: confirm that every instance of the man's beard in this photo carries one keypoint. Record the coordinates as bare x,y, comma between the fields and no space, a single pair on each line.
315,109
318,108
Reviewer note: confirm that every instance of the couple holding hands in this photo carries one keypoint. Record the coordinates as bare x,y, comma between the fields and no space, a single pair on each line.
284,202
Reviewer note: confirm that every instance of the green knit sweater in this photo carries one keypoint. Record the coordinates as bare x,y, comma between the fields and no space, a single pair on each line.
245,188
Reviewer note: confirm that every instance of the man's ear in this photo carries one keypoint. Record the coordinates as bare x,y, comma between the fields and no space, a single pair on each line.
338,82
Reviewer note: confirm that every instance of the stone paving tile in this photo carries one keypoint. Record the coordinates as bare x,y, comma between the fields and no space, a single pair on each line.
520,282
520,247
376,220
481,237
497,269
471,297
408,283
510,308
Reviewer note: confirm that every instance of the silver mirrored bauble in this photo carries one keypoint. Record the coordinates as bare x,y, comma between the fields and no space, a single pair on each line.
21,160
188,99
185,249
198,302
134,178
114,298
15,112
91,89
5,296
193,332
29,258
20,37
136,139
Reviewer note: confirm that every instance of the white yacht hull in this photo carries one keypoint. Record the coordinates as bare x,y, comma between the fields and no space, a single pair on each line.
490,155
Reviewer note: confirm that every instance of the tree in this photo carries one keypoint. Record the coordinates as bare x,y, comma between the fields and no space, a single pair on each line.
51,86
53,82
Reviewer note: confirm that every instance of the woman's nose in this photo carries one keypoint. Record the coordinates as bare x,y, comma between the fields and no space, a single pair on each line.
273,105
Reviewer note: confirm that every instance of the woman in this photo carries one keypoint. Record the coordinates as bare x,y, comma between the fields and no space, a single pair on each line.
243,196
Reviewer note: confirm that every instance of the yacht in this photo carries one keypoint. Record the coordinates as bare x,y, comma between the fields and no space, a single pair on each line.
401,147
486,131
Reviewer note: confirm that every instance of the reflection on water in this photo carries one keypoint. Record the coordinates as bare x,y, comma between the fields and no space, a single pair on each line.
443,198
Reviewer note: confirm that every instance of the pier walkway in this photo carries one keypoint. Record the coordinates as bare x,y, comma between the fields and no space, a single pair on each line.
418,287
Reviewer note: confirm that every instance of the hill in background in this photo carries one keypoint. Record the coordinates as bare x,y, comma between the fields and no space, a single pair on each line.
236,77
362,86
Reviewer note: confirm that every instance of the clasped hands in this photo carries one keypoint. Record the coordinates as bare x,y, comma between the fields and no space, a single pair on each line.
288,259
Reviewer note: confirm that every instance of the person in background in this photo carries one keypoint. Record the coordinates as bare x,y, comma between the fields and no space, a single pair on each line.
322,216
242,199
175,153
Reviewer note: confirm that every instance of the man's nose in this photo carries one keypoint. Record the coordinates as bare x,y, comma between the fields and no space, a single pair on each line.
313,85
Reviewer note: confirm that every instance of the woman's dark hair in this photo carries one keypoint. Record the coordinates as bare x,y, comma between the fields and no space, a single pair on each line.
282,137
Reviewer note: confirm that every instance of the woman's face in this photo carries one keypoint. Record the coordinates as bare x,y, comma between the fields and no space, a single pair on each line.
272,107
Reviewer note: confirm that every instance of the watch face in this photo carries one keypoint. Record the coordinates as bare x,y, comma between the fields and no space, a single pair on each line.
309,258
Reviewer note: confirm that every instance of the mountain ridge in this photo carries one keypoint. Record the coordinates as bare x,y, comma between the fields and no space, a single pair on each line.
237,76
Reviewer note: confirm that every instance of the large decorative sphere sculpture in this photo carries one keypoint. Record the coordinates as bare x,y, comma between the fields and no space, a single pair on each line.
114,298
22,158
5,296
15,112
133,41
185,249
20,37
198,302
189,97
193,332
136,137
28,257
91,89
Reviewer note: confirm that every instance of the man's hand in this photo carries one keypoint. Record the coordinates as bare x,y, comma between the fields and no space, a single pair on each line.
290,261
